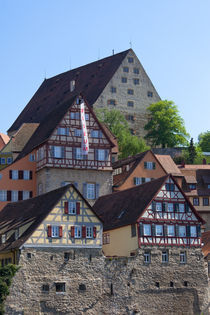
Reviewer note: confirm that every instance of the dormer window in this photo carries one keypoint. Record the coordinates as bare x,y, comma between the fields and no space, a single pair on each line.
3,238
192,186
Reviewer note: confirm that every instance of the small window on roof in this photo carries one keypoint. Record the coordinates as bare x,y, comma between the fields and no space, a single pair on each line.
121,214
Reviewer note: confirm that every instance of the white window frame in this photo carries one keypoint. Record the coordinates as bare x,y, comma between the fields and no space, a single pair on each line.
15,174
159,230
193,231
149,165
101,155
3,195
26,194
147,257
182,231
138,181
57,152
170,230
91,191
55,231
147,229
26,174
164,257
77,232
183,257
72,207
89,232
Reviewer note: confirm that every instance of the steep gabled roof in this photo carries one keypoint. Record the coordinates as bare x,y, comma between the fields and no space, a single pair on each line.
125,207
34,211
168,165
90,79
4,137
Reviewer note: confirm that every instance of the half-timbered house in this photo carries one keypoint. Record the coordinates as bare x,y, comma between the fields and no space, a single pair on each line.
60,219
156,213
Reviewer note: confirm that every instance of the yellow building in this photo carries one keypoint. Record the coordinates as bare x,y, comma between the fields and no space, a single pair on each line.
59,219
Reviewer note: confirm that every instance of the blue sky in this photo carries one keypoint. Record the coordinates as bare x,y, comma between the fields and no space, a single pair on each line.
171,38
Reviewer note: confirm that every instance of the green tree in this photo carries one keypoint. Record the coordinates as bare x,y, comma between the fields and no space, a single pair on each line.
191,152
116,122
165,126
204,141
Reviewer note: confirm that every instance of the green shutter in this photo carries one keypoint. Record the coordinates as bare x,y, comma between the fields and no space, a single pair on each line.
145,164
134,180
198,230
141,232
153,165
143,180
188,231
187,209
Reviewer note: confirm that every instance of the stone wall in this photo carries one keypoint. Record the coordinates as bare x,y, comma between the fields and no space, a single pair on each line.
98,285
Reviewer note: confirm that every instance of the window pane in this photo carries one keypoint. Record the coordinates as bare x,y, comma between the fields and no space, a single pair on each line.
193,231
181,207
89,232
170,207
90,191
101,155
147,229
171,231
182,230
55,231
72,207
77,232
158,206
159,230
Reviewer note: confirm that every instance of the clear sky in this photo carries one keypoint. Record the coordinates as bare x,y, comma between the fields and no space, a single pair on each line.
42,38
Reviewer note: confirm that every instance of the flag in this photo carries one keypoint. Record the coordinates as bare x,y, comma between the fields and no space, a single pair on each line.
85,144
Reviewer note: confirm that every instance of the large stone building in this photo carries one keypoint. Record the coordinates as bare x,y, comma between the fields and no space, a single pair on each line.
118,81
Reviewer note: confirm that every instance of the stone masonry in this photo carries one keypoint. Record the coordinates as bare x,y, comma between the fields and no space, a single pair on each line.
98,285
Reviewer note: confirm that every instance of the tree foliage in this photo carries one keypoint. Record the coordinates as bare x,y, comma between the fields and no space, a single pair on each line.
117,124
204,141
165,126
191,152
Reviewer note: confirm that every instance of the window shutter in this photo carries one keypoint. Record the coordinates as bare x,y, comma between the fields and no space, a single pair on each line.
100,134
66,207
62,152
97,191
91,133
52,151
177,230
165,230
76,184
134,180
31,175
83,231
20,174
72,231
60,231
145,164
10,174
30,194
143,180
74,153
141,231
198,230
20,195
94,232
85,190
96,154
176,207
9,195
188,231
78,207
153,165
49,231
106,155
163,206
67,131
153,229
153,205
186,207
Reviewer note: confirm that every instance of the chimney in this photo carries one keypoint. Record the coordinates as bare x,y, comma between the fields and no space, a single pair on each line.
204,161
183,164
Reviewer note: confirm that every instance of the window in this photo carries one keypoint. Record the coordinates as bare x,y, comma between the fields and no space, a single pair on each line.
89,231
82,287
78,154
77,232
96,134
181,207
193,231
132,131
136,70
106,238
62,131
29,255
124,80
195,201
130,103
113,89
130,91
3,161
147,229
130,117
150,94
208,186
60,287
57,151
90,191
205,201
26,194
158,206
130,59
3,238
45,288
66,256
32,157
182,230
3,195
159,230
164,256
14,196
136,81
125,69
137,180
111,102
170,187
183,257
170,230
55,231
133,230
72,207
77,132
171,284
15,174
26,175
170,207
101,155
147,257
192,186
9,160
149,165
75,115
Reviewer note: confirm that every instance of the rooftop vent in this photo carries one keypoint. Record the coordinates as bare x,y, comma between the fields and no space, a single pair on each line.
72,85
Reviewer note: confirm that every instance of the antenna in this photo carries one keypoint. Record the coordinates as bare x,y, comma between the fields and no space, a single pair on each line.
130,43
112,51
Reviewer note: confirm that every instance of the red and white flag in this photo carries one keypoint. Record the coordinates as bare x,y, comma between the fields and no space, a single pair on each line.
85,144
